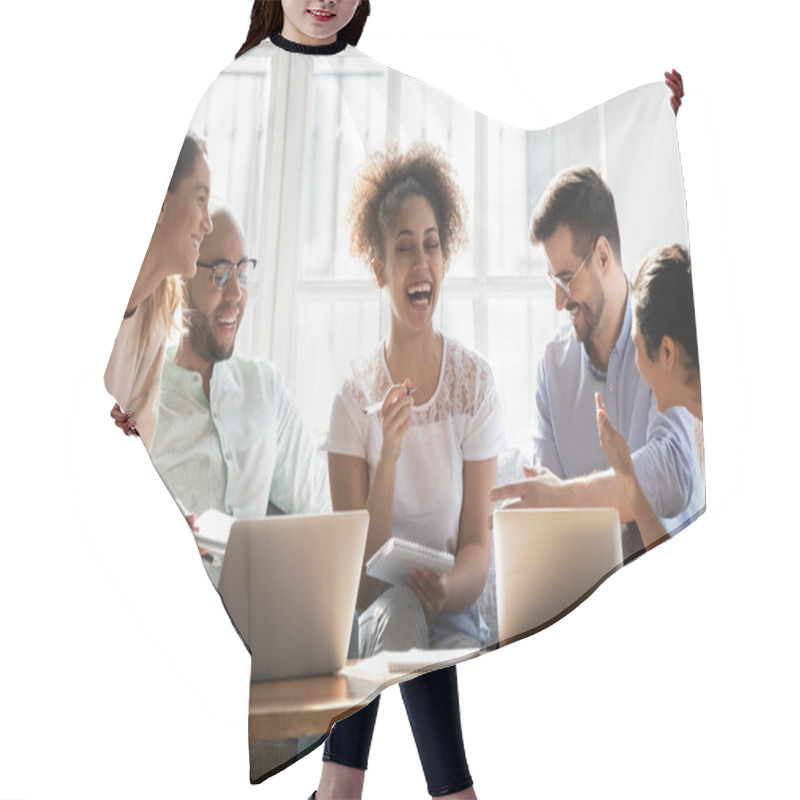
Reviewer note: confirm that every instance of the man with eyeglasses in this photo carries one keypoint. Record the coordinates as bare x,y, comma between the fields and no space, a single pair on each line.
576,223
229,437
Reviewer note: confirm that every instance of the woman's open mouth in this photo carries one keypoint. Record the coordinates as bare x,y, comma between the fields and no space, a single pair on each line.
420,293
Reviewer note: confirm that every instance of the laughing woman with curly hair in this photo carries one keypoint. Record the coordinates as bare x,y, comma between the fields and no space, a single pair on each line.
422,466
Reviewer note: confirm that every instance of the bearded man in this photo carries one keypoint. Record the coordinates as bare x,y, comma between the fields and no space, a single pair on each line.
229,436
575,222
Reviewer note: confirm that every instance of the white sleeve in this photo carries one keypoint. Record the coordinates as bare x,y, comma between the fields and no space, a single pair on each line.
484,435
349,426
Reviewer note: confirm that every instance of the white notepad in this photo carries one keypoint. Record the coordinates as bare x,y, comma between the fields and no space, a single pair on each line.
387,663
213,529
391,564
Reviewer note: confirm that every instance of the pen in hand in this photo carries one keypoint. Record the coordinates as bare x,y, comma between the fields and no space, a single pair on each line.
376,407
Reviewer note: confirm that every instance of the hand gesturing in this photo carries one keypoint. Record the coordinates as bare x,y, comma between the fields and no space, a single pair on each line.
611,440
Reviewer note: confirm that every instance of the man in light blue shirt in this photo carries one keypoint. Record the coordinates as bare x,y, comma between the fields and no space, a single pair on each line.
576,223
229,436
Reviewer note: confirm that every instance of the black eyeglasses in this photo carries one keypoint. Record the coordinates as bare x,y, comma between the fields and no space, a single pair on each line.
221,271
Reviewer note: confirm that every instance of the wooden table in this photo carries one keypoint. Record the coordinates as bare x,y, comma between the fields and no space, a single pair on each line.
286,709
307,706
289,716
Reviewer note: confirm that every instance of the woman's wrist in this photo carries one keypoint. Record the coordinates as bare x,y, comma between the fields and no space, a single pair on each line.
464,584
388,457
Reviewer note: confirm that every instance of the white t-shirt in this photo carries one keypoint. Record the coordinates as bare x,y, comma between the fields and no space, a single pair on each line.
461,422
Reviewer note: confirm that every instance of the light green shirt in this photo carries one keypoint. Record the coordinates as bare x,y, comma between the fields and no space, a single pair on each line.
241,449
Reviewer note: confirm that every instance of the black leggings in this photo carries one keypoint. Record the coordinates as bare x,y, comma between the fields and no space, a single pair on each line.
432,706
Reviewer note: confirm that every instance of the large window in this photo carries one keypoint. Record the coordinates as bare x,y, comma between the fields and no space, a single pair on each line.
286,138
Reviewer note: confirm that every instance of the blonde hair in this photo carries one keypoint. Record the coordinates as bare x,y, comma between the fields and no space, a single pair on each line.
160,309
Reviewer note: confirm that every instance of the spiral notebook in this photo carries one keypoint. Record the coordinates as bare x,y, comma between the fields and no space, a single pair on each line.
392,562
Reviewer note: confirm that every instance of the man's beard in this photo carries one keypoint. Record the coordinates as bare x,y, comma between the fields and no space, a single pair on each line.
591,312
588,319
201,336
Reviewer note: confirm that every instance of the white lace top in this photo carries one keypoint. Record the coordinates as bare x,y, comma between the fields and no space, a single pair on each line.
461,422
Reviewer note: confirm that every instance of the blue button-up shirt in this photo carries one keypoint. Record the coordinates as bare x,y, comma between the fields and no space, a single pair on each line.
240,449
662,445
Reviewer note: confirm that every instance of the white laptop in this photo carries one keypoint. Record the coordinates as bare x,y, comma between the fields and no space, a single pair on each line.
547,561
289,584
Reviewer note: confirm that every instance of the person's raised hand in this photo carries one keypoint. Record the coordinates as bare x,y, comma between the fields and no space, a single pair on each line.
675,83
612,441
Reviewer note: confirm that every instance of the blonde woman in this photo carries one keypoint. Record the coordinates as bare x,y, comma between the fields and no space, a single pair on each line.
133,375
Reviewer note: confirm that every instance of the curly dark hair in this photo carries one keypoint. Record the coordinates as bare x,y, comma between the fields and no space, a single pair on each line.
386,180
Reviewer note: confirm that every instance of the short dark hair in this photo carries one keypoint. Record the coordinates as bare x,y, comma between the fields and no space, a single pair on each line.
664,301
386,180
580,199
184,166
266,19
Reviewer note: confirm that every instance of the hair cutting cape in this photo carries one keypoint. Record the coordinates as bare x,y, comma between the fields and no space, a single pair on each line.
286,134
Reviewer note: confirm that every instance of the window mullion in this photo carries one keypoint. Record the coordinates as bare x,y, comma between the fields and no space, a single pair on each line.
256,207
481,247
289,237
393,101
269,222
